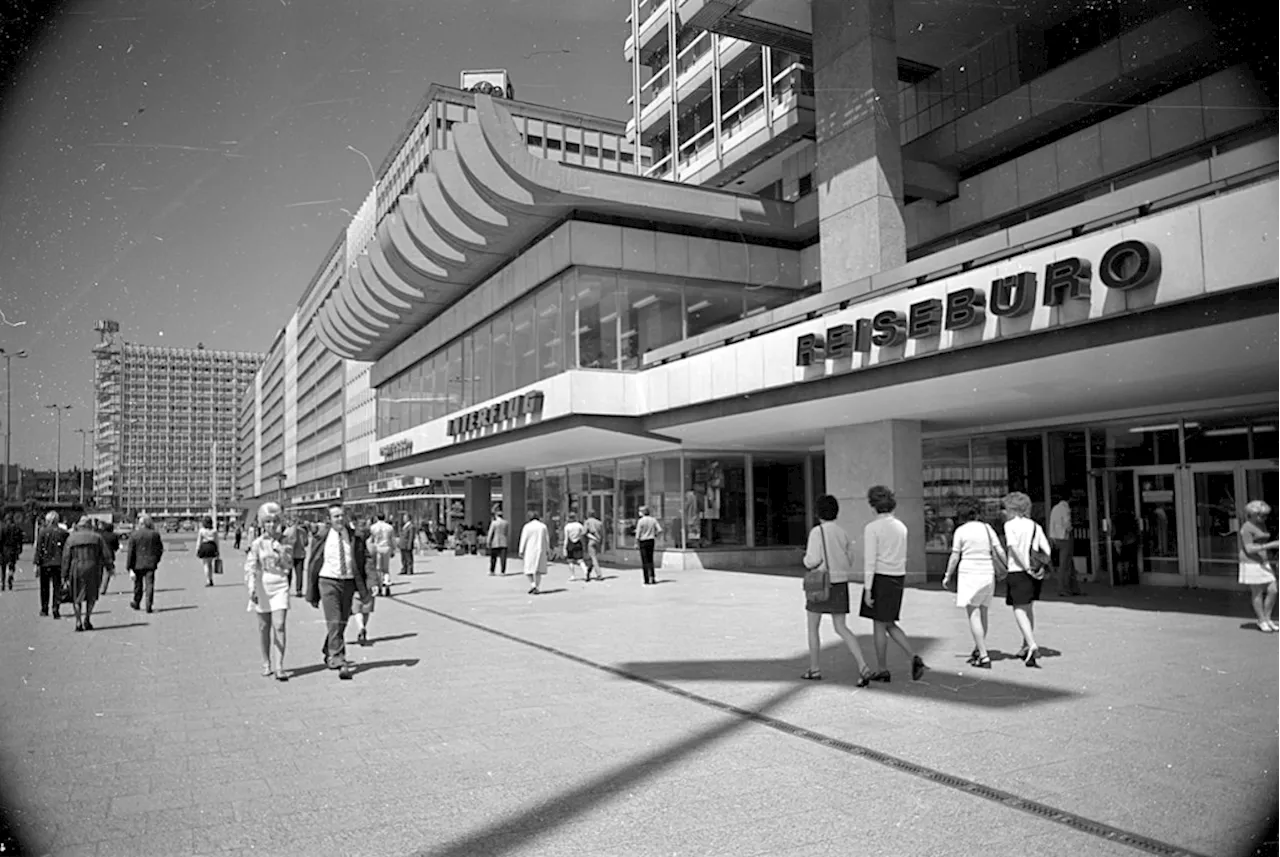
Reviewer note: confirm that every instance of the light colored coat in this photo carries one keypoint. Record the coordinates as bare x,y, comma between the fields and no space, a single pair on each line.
499,532
535,545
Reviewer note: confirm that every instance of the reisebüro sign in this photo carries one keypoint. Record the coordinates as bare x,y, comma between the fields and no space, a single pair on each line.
528,404
1126,265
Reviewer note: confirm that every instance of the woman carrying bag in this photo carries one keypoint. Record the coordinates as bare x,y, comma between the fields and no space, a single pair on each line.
207,548
976,560
829,551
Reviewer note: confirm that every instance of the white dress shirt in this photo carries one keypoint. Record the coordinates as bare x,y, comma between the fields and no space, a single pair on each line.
334,566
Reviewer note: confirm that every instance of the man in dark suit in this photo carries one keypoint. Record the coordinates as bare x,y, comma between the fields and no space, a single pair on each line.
336,563
145,550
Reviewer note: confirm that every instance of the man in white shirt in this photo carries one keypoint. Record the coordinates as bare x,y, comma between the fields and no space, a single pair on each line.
647,531
1060,535
335,572
595,538
382,538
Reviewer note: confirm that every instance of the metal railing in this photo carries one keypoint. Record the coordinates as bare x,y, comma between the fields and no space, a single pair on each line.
733,119
653,88
695,145
692,53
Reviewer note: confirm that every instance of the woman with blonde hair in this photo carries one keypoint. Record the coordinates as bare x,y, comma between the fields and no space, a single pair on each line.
1028,549
1257,567
267,566
975,552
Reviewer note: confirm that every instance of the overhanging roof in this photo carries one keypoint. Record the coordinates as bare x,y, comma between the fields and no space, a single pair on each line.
475,207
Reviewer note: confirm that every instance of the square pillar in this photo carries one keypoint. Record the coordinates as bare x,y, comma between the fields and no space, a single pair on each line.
884,453
859,176
514,505
475,493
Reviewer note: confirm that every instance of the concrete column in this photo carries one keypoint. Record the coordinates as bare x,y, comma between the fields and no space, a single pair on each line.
514,504
476,494
859,175
883,453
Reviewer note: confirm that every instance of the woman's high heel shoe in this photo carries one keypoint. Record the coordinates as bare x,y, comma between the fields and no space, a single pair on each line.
982,663
1030,659
864,678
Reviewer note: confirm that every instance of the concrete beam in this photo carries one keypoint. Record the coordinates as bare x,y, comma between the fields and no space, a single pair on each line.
929,181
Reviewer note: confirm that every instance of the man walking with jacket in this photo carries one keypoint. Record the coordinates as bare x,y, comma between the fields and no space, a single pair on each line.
336,565
498,537
48,562
145,549
408,534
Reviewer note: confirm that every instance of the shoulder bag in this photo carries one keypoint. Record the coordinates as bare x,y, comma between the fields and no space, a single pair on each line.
1000,564
1038,562
817,582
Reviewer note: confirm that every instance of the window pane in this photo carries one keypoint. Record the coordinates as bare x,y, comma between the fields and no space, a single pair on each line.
990,476
553,490
480,375
575,491
522,330
415,394
466,370
630,499
1133,445
596,320
439,386
666,502
946,481
568,324
532,497
453,376
503,361
710,308
778,485
715,502
653,316
550,342
1217,440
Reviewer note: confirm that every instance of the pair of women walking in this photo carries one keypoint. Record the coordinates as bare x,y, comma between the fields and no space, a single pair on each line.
885,567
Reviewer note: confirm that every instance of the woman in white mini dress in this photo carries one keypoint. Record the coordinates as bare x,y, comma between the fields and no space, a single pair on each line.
1257,566
267,565
972,547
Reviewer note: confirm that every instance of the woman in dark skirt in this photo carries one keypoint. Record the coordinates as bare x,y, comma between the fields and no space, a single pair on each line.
884,573
1022,536
830,548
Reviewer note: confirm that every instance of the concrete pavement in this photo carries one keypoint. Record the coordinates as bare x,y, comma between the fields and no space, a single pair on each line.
617,719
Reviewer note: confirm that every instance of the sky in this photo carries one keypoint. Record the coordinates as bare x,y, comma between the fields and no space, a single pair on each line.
181,166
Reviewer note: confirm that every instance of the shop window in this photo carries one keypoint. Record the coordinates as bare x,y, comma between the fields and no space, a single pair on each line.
654,317
522,337
550,341
990,476
1216,440
818,477
666,501
779,501
1264,444
715,502
1136,444
947,479
554,504
576,487
453,377
439,386
1025,456
480,375
706,308
501,355
466,370
630,493
592,319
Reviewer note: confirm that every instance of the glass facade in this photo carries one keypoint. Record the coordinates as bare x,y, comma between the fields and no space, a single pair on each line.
585,318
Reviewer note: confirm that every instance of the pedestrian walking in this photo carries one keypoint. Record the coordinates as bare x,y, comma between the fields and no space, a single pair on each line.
884,559
382,541
48,562
336,570
595,538
112,540
830,549
84,558
239,535
268,565
499,534
574,545
535,544
10,550
207,548
296,538
1064,544
362,605
975,553
408,532
145,551
1028,554
1257,563
647,531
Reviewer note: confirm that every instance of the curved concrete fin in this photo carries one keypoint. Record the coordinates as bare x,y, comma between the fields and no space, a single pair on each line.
438,210
359,291
391,266
390,280
330,342
424,234
348,313
407,261
466,202
491,180
345,340
623,194
384,295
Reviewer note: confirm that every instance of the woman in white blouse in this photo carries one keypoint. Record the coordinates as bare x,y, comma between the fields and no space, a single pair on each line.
830,547
267,565
1022,538
973,546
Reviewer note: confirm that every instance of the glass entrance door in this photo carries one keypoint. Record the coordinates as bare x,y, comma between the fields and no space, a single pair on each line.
600,504
1158,496
1220,492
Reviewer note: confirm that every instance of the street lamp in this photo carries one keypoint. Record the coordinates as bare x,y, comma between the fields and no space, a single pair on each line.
8,418
57,469
84,440
372,172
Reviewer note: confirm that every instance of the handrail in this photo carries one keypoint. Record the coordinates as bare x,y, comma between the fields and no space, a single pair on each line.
685,145
741,106
681,66
658,167
648,92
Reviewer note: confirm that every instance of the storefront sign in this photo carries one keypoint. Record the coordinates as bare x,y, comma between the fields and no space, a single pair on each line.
317,496
1127,265
398,449
529,404
396,483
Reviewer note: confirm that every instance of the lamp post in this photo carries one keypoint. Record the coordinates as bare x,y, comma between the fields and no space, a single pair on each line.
372,172
8,418
84,441
57,468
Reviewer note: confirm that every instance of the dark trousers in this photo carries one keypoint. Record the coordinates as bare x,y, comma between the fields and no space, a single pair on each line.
50,581
646,560
298,563
496,554
10,566
406,560
144,584
335,601
1067,566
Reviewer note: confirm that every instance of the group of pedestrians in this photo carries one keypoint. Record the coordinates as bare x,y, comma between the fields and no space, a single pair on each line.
580,545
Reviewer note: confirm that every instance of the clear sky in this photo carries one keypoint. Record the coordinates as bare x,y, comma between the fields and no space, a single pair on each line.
181,166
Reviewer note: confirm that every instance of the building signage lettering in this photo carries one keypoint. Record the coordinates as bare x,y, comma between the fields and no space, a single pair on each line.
317,496
1127,265
528,404
395,483
397,449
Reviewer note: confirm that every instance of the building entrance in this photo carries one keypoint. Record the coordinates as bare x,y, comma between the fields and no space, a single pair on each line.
1177,525
600,504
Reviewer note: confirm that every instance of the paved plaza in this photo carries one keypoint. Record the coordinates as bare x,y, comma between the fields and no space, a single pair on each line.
617,719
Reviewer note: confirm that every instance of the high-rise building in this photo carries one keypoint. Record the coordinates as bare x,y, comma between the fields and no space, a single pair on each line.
165,425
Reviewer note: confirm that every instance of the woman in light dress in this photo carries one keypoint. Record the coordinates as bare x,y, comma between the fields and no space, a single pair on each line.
267,565
535,545
207,548
972,547
1022,535
1257,563
831,548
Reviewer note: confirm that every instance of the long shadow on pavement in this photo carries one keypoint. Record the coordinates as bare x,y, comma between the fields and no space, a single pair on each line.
390,637
517,834
978,688
97,628
395,594
179,607
298,672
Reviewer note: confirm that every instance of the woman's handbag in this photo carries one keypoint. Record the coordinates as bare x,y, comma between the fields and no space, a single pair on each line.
817,582
999,563
1038,562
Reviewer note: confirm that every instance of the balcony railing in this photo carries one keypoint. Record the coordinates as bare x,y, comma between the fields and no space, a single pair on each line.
654,87
692,53
790,84
691,149
661,169
745,110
